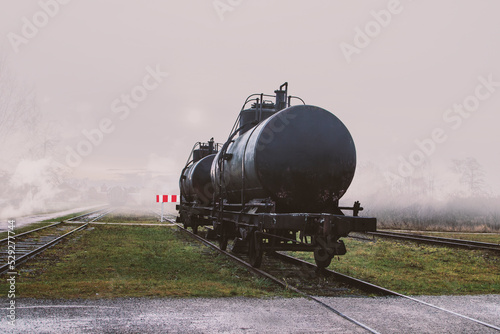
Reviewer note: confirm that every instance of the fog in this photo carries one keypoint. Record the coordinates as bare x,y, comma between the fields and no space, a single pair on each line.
96,95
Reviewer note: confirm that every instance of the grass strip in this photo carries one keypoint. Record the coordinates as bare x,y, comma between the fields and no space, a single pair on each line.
418,269
130,261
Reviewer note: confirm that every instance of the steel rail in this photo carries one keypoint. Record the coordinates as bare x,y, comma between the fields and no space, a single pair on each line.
47,226
109,210
469,244
28,232
87,214
366,286
272,278
22,259
381,289
465,241
25,257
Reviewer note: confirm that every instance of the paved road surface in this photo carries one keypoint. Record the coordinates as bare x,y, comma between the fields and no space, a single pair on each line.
249,315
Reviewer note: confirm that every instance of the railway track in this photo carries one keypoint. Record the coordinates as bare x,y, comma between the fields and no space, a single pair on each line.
309,268
91,216
272,278
16,249
469,244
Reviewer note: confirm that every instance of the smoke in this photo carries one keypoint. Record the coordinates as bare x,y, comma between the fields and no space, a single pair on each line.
32,185
30,144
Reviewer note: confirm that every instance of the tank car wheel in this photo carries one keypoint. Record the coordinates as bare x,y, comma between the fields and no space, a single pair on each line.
322,258
255,251
223,238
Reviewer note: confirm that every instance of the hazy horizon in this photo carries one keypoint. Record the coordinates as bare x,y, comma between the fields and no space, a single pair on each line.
156,77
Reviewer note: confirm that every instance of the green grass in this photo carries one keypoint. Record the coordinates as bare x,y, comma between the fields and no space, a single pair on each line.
131,216
419,269
130,261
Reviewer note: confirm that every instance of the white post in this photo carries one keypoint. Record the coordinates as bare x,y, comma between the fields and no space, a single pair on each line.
161,219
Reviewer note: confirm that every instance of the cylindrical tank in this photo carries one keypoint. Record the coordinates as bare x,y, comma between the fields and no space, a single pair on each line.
302,157
195,182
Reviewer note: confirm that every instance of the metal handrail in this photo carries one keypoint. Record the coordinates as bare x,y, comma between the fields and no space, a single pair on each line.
235,129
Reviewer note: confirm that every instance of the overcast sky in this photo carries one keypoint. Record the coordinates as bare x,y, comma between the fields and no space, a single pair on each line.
389,70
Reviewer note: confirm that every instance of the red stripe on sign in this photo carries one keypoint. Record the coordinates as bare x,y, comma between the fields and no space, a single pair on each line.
165,198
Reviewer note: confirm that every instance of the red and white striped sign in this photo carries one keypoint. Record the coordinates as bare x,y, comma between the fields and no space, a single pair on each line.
166,198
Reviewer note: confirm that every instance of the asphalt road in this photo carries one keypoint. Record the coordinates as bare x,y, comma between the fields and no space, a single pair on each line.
249,315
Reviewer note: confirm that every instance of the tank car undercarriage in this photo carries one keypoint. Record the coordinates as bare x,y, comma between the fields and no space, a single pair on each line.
259,230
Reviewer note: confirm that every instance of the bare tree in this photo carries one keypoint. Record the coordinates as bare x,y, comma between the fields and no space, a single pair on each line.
471,175
17,104
420,183
30,175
